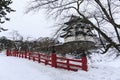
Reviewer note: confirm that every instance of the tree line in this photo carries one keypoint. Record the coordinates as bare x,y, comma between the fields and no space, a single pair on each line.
41,44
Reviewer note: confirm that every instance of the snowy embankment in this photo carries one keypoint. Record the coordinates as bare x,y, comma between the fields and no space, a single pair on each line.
13,68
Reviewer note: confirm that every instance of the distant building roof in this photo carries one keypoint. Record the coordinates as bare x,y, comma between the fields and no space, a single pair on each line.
75,19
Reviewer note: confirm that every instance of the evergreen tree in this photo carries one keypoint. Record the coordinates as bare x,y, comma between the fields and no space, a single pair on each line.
4,10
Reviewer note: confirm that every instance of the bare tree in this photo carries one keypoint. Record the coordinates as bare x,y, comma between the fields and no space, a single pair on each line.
16,36
100,14
45,44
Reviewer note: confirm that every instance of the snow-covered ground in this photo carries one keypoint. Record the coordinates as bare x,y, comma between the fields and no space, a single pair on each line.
13,68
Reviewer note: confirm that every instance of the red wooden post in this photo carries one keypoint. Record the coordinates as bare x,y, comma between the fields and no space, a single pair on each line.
22,55
15,53
19,54
25,54
84,63
39,56
11,53
68,66
46,61
29,56
33,58
54,60
8,52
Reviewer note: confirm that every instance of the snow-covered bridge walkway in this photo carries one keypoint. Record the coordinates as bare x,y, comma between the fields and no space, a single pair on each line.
20,69
13,68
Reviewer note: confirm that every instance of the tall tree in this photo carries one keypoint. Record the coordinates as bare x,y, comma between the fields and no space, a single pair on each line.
102,15
6,43
4,10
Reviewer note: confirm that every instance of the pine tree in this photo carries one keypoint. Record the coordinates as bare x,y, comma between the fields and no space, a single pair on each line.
4,10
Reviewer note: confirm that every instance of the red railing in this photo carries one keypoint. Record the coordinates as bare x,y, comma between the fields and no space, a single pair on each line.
53,60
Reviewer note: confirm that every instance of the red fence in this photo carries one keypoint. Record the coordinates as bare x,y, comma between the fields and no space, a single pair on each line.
53,60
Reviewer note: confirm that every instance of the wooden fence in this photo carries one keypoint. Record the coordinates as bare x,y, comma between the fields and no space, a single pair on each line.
53,60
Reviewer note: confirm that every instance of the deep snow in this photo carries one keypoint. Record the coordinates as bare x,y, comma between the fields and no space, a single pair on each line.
13,68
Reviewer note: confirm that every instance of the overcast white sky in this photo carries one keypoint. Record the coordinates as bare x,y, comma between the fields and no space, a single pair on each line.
33,24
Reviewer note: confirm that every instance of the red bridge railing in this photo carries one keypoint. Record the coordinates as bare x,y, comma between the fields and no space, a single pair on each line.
53,60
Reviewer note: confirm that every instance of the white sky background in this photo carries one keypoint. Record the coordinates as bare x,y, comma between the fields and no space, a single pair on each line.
28,25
